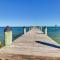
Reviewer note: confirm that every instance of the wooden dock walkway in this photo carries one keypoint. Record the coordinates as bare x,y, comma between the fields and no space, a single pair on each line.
26,48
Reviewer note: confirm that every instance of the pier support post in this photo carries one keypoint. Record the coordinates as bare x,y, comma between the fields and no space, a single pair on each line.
24,30
29,28
45,30
8,36
41,28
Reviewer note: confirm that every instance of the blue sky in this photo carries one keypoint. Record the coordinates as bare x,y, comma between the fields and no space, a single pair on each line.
29,12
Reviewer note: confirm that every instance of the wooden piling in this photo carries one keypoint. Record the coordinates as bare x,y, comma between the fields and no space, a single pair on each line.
29,28
41,28
24,30
8,36
45,30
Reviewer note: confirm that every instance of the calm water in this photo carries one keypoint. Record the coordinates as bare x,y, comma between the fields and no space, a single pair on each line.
17,31
53,32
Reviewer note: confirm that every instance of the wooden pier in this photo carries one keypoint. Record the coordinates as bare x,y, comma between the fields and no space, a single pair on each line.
26,48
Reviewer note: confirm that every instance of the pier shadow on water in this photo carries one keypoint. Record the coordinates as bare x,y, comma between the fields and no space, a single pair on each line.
48,44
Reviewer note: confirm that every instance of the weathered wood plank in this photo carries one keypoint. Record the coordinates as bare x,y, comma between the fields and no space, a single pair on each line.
25,48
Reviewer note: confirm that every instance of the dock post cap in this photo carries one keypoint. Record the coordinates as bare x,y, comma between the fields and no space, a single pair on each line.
7,28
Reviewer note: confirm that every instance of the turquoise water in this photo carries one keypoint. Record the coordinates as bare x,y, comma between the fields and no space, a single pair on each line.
17,31
53,32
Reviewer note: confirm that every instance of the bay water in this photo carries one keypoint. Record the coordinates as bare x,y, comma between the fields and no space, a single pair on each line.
53,32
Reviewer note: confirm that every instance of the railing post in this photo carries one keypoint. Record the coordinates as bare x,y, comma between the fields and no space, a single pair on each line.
24,30
41,28
45,30
8,36
29,28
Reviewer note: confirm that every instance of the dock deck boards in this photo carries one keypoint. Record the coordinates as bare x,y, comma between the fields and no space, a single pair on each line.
26,45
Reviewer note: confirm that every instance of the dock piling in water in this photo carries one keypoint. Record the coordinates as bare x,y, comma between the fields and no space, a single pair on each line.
29,28
8,36
41,28
24,30
45,30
